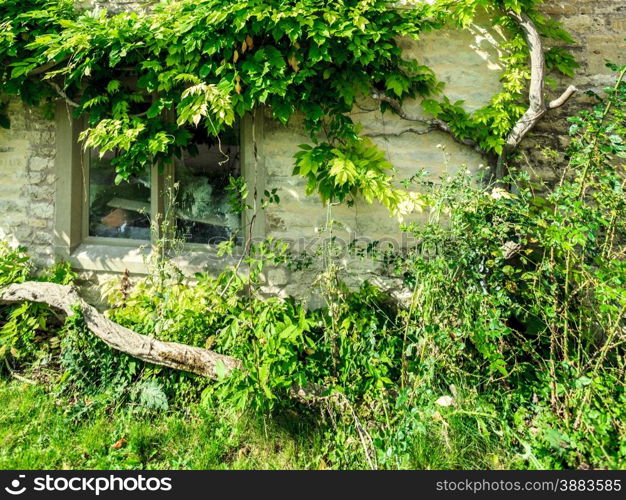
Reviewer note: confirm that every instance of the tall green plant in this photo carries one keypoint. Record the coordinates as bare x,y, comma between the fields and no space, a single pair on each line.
526,291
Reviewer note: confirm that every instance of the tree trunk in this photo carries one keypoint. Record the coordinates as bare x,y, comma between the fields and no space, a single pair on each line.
169,354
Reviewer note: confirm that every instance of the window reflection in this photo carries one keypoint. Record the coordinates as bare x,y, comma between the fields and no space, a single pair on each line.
203,213
117,211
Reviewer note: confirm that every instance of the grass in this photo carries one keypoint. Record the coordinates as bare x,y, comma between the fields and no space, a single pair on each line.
40,431
36,432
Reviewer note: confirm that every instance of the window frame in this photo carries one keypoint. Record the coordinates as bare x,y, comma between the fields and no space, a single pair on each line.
97,253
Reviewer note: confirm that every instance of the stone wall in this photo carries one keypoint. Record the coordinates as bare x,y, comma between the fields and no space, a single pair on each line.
116,5
27,182
466,61
598,28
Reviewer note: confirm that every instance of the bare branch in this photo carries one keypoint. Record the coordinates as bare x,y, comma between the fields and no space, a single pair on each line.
395,104
173,355
537,61
170,354
432,123
410,130
537,106
565,96
44,68
62,94
17,376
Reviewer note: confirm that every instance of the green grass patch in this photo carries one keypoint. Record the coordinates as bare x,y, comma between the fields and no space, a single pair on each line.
38,432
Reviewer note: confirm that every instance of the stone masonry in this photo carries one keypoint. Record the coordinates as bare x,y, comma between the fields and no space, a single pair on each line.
27,182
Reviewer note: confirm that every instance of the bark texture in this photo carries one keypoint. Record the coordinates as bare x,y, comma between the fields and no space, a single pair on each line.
169,354
537,106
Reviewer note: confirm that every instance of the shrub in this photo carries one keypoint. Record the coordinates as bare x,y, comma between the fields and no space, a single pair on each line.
525,293
15,264
27,330
509,352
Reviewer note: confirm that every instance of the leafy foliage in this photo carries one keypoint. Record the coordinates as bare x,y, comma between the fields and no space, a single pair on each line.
510,350
140,78
490,125
515,323
25,329
537,283
357,169
15,265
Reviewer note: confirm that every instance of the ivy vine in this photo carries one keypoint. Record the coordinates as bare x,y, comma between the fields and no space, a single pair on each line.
145,79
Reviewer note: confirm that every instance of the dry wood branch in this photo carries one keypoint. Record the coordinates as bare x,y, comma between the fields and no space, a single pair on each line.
565,96
537,106
62,94
17,376
45,68
57,88
169,354
399,133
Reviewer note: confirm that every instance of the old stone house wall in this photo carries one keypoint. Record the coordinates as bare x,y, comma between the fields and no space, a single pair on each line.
468,63
27,182
598,28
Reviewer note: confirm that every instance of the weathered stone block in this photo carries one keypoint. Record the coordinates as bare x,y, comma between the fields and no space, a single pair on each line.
42,210
37,164
468,62
601,48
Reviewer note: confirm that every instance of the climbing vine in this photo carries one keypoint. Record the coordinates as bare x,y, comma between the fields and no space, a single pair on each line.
145,79
490,125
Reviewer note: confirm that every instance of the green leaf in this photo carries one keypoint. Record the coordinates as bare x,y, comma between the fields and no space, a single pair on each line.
398,84
431,107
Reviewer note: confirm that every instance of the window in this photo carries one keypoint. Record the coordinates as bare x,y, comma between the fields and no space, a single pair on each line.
203,213
197,184
107,227
116,211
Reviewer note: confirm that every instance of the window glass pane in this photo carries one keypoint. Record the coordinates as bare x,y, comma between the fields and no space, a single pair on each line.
203,213
117,211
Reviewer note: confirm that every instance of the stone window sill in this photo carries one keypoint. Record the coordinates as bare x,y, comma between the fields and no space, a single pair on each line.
117,259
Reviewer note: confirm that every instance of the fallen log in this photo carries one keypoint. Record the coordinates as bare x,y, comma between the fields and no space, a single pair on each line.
169,354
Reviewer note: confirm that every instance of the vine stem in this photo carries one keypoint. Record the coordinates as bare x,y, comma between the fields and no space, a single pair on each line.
433,124
594,143
602,355
255,210
537,106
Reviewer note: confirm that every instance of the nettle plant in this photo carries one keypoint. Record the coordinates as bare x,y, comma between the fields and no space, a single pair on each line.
142,78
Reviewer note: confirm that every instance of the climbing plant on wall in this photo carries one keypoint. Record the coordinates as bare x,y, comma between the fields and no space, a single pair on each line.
207,62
